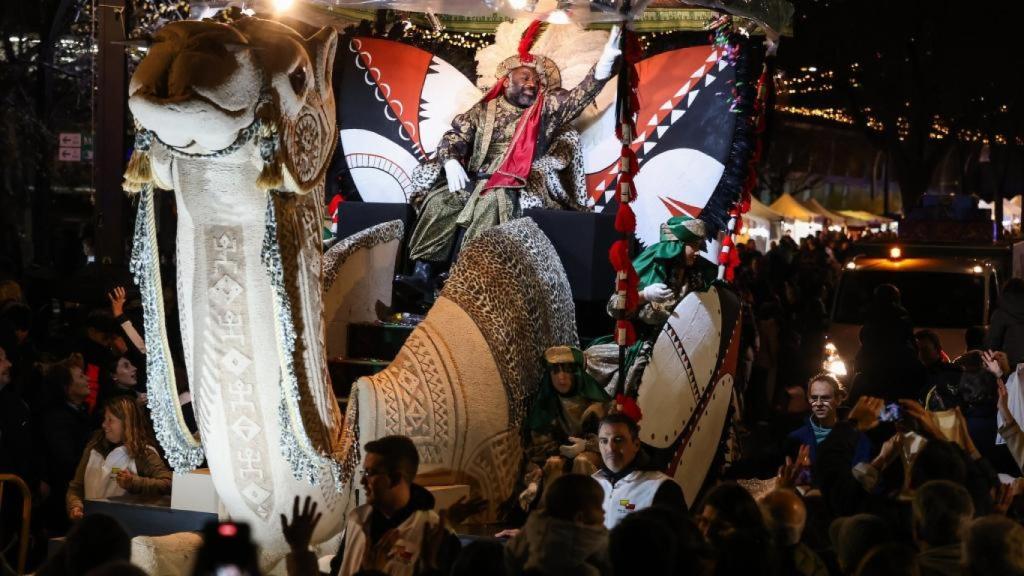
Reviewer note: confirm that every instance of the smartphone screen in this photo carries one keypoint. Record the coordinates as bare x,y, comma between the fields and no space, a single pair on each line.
890,413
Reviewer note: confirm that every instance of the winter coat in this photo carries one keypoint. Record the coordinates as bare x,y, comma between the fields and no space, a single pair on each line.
153,477
804,435
1006,328
556,547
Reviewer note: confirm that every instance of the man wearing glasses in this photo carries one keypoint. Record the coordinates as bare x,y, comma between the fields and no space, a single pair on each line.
396,531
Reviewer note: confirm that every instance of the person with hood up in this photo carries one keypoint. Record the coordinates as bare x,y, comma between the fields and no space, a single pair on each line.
666,272
567,536
564,416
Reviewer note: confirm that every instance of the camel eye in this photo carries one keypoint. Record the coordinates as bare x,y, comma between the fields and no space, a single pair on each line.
298,79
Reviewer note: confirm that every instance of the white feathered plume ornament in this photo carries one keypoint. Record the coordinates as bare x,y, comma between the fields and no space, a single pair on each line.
571,48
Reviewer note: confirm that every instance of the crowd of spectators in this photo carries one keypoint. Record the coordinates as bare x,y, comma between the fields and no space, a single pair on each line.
908,466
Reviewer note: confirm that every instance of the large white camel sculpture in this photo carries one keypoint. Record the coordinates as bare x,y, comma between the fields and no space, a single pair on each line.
238,120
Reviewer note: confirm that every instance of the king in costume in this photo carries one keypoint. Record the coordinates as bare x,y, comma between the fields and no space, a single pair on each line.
489,153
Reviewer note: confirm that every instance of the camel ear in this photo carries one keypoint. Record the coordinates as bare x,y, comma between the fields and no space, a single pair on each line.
322,46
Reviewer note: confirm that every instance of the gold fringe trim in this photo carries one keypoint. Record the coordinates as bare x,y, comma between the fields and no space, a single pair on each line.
138,173
271,177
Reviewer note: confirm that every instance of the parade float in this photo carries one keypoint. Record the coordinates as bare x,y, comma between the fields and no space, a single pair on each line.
246,122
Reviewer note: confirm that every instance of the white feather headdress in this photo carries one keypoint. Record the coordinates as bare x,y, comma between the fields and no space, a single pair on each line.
572,49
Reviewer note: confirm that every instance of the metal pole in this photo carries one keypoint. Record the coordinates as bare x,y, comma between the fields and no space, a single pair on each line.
109,141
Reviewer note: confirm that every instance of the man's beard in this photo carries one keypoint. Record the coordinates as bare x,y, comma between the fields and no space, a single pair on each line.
515,95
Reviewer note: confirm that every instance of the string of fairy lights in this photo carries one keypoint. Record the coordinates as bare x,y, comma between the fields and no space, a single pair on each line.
809,80
465,40
478,40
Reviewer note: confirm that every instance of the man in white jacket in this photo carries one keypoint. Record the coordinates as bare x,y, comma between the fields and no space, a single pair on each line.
627,485
389,532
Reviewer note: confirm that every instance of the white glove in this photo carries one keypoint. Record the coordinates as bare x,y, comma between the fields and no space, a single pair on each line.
572,450
656,292
456,175
527,496
603,68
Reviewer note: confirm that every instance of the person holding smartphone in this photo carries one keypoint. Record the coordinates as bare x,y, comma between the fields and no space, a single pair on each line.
825,394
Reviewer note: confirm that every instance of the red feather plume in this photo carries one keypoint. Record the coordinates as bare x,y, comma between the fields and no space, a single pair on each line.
529,36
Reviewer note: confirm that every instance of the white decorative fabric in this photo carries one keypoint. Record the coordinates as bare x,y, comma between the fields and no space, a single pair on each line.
1015,400
633,492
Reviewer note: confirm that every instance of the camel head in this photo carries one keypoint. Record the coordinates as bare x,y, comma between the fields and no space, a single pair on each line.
206,88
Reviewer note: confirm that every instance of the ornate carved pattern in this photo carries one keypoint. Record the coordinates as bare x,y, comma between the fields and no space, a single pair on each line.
228,368
494,465
309,141
506,282
418,399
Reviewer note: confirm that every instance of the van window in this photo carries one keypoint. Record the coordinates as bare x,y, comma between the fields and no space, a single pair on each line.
933,299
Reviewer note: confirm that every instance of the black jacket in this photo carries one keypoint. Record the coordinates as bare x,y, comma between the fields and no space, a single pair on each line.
1006,329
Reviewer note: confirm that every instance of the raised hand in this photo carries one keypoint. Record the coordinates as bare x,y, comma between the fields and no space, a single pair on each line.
299,533
790,471
864,414
923,417
117,298
991,363
603,68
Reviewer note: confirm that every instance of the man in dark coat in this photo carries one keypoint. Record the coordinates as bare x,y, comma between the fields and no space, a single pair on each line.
1006,330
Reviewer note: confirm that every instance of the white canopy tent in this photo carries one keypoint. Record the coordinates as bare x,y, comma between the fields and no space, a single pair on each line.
1011,211
798,220
761,224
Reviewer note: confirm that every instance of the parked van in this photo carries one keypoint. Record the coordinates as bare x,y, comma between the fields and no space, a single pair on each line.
945,295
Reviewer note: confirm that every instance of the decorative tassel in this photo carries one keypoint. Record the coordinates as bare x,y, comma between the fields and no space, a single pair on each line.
272,176
139,172
625,219
628,406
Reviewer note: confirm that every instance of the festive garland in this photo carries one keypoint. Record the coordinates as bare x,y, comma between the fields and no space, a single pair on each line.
728,259
730,187
626,279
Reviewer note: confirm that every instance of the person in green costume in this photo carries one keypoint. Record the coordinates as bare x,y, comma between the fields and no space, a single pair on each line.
562,422
667,271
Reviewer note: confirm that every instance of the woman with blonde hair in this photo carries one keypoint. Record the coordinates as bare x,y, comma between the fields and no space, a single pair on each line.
119,459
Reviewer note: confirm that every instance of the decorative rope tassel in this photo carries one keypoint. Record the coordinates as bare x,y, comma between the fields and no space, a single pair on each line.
139,172
272,176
